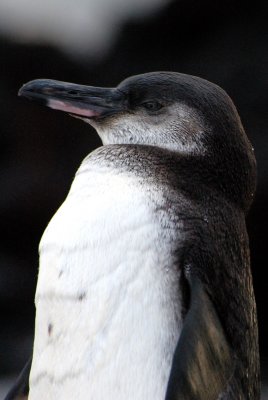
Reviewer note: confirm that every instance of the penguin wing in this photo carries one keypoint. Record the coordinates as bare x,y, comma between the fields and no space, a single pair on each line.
203,362
20,389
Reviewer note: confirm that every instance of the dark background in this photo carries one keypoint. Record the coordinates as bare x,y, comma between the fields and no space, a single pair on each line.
225,42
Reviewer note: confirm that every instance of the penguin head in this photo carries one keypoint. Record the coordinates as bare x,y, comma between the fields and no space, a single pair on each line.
184,114
150,109
152,114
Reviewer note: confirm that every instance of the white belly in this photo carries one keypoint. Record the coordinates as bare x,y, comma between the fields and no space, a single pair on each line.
108,304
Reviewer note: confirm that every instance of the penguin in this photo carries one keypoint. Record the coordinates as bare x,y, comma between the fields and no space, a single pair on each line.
145,288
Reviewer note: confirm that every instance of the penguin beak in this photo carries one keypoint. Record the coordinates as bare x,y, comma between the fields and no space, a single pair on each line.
77,100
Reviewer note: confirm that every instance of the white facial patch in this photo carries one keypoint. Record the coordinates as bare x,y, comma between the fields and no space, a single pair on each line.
178,128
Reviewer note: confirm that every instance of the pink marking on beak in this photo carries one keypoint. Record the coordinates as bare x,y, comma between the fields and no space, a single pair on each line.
61,105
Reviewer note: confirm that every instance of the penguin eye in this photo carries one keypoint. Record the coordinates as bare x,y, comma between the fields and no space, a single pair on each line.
152,105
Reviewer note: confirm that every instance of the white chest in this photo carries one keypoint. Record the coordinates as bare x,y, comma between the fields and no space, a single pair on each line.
108,304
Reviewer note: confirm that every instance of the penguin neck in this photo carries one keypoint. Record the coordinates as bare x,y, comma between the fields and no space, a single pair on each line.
226,175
